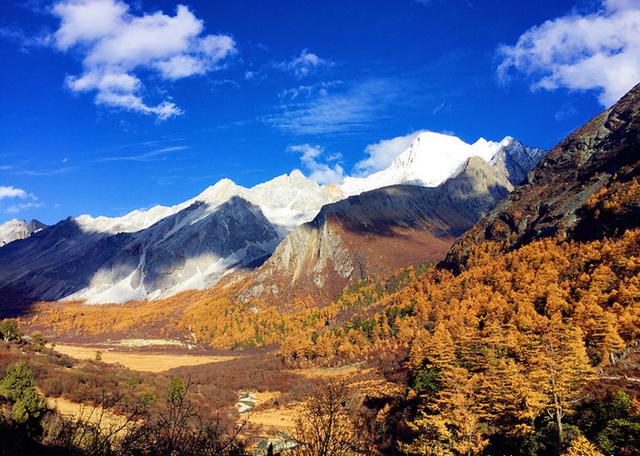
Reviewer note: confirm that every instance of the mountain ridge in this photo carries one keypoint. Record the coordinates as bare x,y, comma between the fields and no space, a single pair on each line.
103,259
555,201
376,233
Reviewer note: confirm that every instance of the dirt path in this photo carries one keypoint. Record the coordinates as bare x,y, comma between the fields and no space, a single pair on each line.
142,362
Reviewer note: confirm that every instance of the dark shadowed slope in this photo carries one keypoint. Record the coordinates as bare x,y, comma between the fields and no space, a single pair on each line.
62,261
375,234
559,198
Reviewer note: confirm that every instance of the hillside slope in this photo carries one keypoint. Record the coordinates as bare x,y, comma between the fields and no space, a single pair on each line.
192,249
375,234
557,199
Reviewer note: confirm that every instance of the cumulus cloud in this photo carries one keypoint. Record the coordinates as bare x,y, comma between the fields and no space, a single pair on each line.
599,51
304,63
118,46
313,159
381,154
11,192
26,200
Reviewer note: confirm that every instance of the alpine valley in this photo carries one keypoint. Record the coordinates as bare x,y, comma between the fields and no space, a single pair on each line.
468,299
448,185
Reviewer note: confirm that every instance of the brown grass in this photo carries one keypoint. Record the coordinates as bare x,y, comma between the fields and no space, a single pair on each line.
142,362
95,415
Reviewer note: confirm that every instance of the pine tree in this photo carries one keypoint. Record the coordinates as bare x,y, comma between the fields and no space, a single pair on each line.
560,368
452,423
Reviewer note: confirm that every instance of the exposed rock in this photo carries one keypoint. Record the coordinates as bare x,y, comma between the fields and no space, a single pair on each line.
376,233
553,202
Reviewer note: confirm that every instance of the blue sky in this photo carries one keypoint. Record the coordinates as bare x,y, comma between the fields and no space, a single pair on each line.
107,106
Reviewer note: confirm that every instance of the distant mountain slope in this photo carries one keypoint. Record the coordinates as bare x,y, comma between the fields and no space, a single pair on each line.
154,253
190,249
376,233
18,229
563,193
287,201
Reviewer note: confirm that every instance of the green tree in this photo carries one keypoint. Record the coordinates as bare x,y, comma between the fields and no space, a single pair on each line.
39,341
18,387
9,330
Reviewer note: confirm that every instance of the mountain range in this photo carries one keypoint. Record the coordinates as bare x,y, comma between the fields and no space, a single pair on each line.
320,235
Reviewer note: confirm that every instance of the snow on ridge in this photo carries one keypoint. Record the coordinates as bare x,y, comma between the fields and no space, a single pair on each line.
286,200
430,160
291,199
15,229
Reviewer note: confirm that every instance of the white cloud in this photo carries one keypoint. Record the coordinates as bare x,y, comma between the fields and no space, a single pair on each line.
598,51
19,207
152,155
382,153
308,90
117,46
322,173
303,64
12,192
29,200
351,110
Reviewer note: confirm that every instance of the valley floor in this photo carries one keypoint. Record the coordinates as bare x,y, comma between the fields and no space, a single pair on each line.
252,387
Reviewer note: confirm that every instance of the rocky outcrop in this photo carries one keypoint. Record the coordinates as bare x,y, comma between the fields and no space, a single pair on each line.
554,201
15,229
375,234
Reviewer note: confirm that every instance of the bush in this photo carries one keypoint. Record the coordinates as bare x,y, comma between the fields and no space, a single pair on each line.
18,388
9,330
39,341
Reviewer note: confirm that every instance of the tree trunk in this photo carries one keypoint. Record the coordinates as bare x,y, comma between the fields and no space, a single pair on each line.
557,412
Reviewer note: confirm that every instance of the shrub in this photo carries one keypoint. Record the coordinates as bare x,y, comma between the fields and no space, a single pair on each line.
9,330
18,388
39,341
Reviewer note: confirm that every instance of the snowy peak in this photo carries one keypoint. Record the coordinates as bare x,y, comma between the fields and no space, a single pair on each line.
18,229
434,157
287,201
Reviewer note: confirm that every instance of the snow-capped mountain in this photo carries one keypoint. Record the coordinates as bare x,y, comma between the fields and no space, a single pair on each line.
155,253
164,250
434,157
287,201
18,229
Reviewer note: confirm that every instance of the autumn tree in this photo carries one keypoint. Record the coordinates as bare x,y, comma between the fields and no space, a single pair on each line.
325,427
560,369
580,446
452,423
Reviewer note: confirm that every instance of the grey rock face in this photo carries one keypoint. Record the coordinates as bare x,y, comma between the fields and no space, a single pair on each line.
384,223
553,201
515,160
63,261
